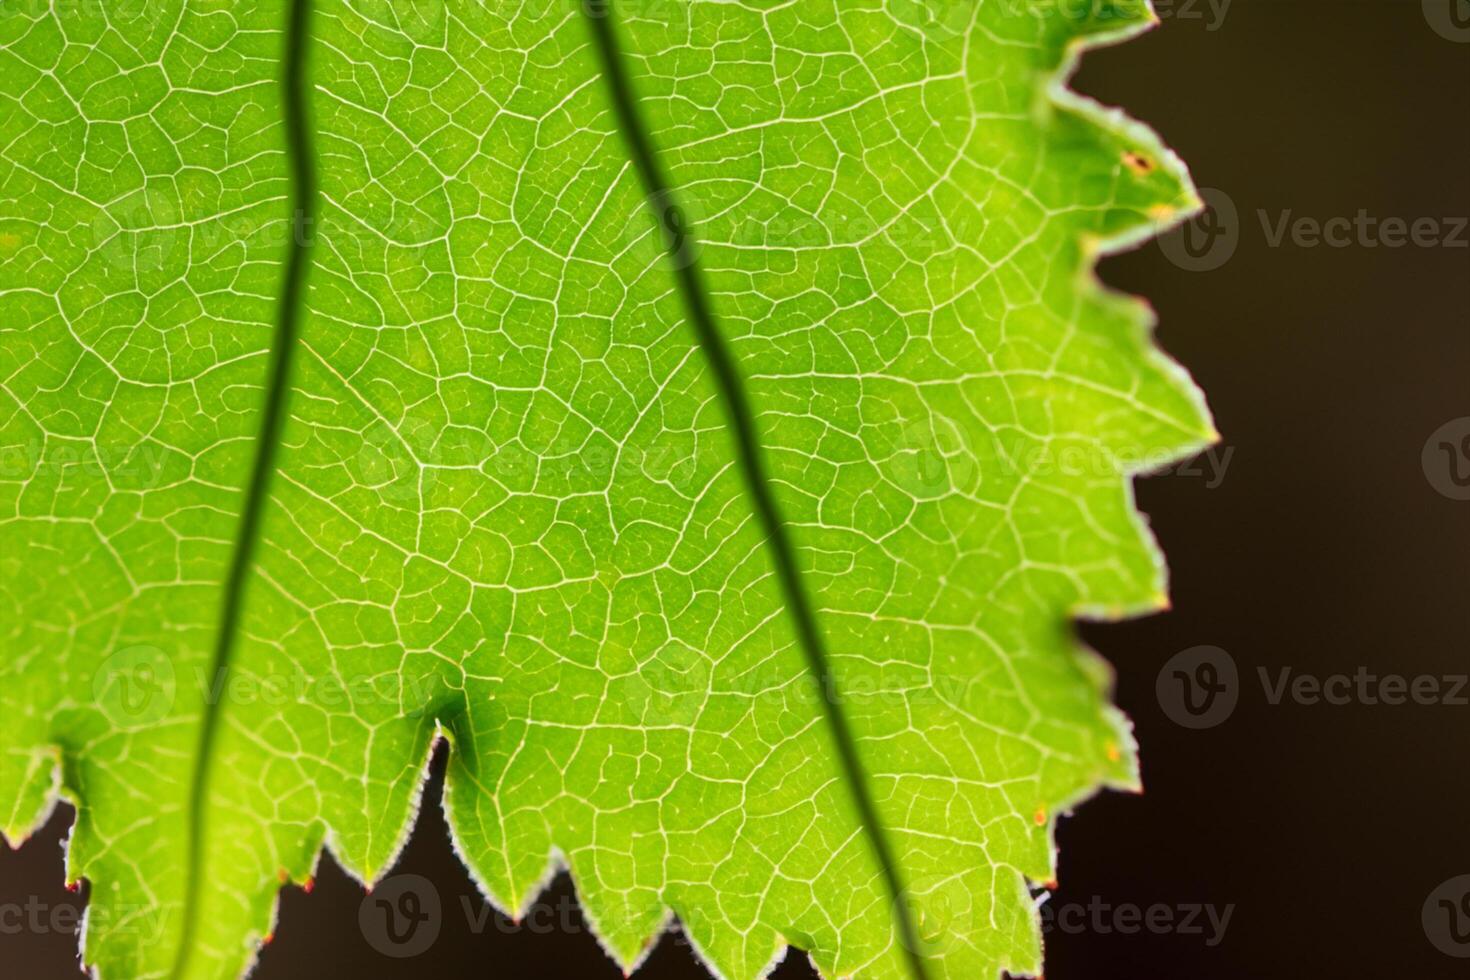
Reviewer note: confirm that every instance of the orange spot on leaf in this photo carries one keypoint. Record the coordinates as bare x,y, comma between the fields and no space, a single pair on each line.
1137,162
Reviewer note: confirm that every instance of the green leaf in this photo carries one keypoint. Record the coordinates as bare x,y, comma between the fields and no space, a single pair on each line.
702,414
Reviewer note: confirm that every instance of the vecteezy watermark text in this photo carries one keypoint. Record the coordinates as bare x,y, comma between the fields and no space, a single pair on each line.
1101,917
402,916
1200,688
36,916
1211,238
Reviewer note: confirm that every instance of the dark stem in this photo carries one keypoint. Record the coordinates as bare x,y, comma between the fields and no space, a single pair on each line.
683,255
303,202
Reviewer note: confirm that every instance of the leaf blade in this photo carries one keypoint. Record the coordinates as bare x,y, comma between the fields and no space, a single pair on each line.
489,290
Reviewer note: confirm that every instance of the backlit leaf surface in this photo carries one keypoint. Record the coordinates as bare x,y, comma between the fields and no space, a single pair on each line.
507,502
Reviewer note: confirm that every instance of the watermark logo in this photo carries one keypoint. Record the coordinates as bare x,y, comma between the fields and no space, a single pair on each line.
402,916
402,463
672,687
1207,241
417,20
675,229
142,232
1450,19
944,21
1199,687
1446,459
135,686
1446,917
943,909
932,458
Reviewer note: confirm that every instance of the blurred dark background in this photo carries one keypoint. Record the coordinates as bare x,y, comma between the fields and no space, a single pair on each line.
1322,536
